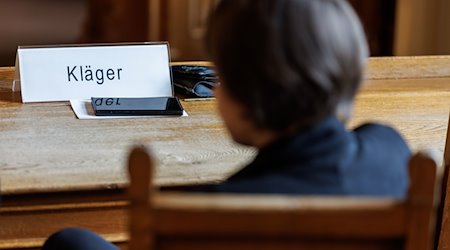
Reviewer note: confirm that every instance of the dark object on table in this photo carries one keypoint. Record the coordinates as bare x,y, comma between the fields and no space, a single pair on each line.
104,106
194,81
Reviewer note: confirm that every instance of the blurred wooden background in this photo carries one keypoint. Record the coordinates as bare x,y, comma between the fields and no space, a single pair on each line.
393,27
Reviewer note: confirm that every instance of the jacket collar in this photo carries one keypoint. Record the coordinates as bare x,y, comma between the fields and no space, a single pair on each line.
325,138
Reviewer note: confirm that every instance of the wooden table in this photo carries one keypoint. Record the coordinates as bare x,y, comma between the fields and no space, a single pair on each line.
58,171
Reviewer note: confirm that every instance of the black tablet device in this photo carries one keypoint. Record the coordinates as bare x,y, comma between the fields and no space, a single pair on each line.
104,106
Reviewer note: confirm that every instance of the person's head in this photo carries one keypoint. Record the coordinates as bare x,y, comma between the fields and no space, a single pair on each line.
285,64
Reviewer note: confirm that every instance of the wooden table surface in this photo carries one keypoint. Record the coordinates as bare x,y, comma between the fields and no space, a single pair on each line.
48,149
45,150
45,147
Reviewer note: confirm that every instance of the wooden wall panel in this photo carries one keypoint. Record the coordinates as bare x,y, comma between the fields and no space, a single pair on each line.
378,18
422,27
117,21
444,28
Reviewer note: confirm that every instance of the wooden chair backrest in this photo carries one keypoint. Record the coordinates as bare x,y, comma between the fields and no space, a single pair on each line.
245,221
443,225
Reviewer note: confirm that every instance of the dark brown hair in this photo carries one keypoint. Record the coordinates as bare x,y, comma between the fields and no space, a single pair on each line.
289,62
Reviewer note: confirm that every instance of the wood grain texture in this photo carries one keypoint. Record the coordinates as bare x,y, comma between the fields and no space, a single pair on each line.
23,227
47,149
400,67
417,108
444,210
408,67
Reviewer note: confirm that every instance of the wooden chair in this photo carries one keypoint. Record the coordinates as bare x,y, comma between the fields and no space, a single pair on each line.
443,225
241,221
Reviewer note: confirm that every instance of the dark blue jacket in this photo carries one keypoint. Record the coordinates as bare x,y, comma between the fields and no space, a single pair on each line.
327,159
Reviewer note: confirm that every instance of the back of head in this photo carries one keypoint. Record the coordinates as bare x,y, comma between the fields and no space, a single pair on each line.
289,62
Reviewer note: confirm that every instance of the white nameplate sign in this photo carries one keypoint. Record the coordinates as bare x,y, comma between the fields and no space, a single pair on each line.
45,74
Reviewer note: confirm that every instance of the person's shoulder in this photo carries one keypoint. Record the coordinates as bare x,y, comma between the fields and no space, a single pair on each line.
380,166
382,137
378,131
